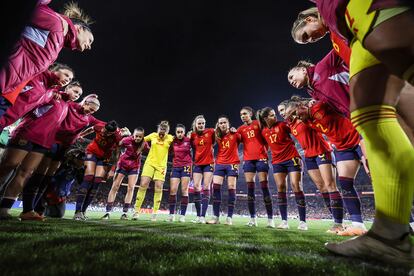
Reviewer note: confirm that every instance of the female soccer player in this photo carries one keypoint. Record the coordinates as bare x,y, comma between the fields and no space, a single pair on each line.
255,162
31,140
39,46
79,118
382,42
202,140
340,132
181,172
285,160
327,81
155,167
38,91
318,162
227,165
98,153
129,164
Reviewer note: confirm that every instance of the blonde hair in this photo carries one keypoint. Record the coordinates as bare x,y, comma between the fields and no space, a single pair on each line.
91,98
300,21
77,15
165,125
193,124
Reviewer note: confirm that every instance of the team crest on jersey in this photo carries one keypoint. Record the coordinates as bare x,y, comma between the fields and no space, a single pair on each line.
277,130
231,137
206,134
317,116
255,127
295,132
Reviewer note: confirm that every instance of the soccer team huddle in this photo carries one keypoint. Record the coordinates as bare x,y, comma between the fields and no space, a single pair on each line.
357,90
307,123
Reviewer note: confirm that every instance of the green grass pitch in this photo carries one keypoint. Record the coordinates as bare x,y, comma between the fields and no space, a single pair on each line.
95,247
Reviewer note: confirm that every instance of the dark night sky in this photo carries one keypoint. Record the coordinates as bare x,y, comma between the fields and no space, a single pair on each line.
154,60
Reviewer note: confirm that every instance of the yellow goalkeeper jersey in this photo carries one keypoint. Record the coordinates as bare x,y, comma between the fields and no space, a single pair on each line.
158,154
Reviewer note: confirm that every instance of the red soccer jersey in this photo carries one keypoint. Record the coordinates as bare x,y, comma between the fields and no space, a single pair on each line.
228,149
341,47
280,143
310,140
253,144
336,127
103,145
203,147
182,152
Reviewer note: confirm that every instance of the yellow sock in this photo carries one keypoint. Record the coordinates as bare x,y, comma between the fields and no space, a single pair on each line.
391,161
140,198
157,200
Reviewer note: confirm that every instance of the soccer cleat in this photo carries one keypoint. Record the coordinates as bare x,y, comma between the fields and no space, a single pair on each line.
412,226
124,216
336,228
202,220
352,230
154,217
32,215
181,219
303,226
78,216
196,220
171,218
135,216
270,223
229,221
85,217
283,225
372,246
252,222
106,216
214,220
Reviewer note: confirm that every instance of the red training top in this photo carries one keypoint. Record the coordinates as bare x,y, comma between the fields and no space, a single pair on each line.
228,153
280,143
336,127
310,140
253,144
103,145
203,147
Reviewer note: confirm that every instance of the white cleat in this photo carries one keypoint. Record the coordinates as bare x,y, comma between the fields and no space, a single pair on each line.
214,220
303,226
202,220
78,216
412,226
85,217
283,225
181,218
196,220
371,246
252,222
270,223
171,218
154,217
229,221
135,216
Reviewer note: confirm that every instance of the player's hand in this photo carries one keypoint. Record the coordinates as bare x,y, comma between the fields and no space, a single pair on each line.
125,131
233,130
189,134
57,96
